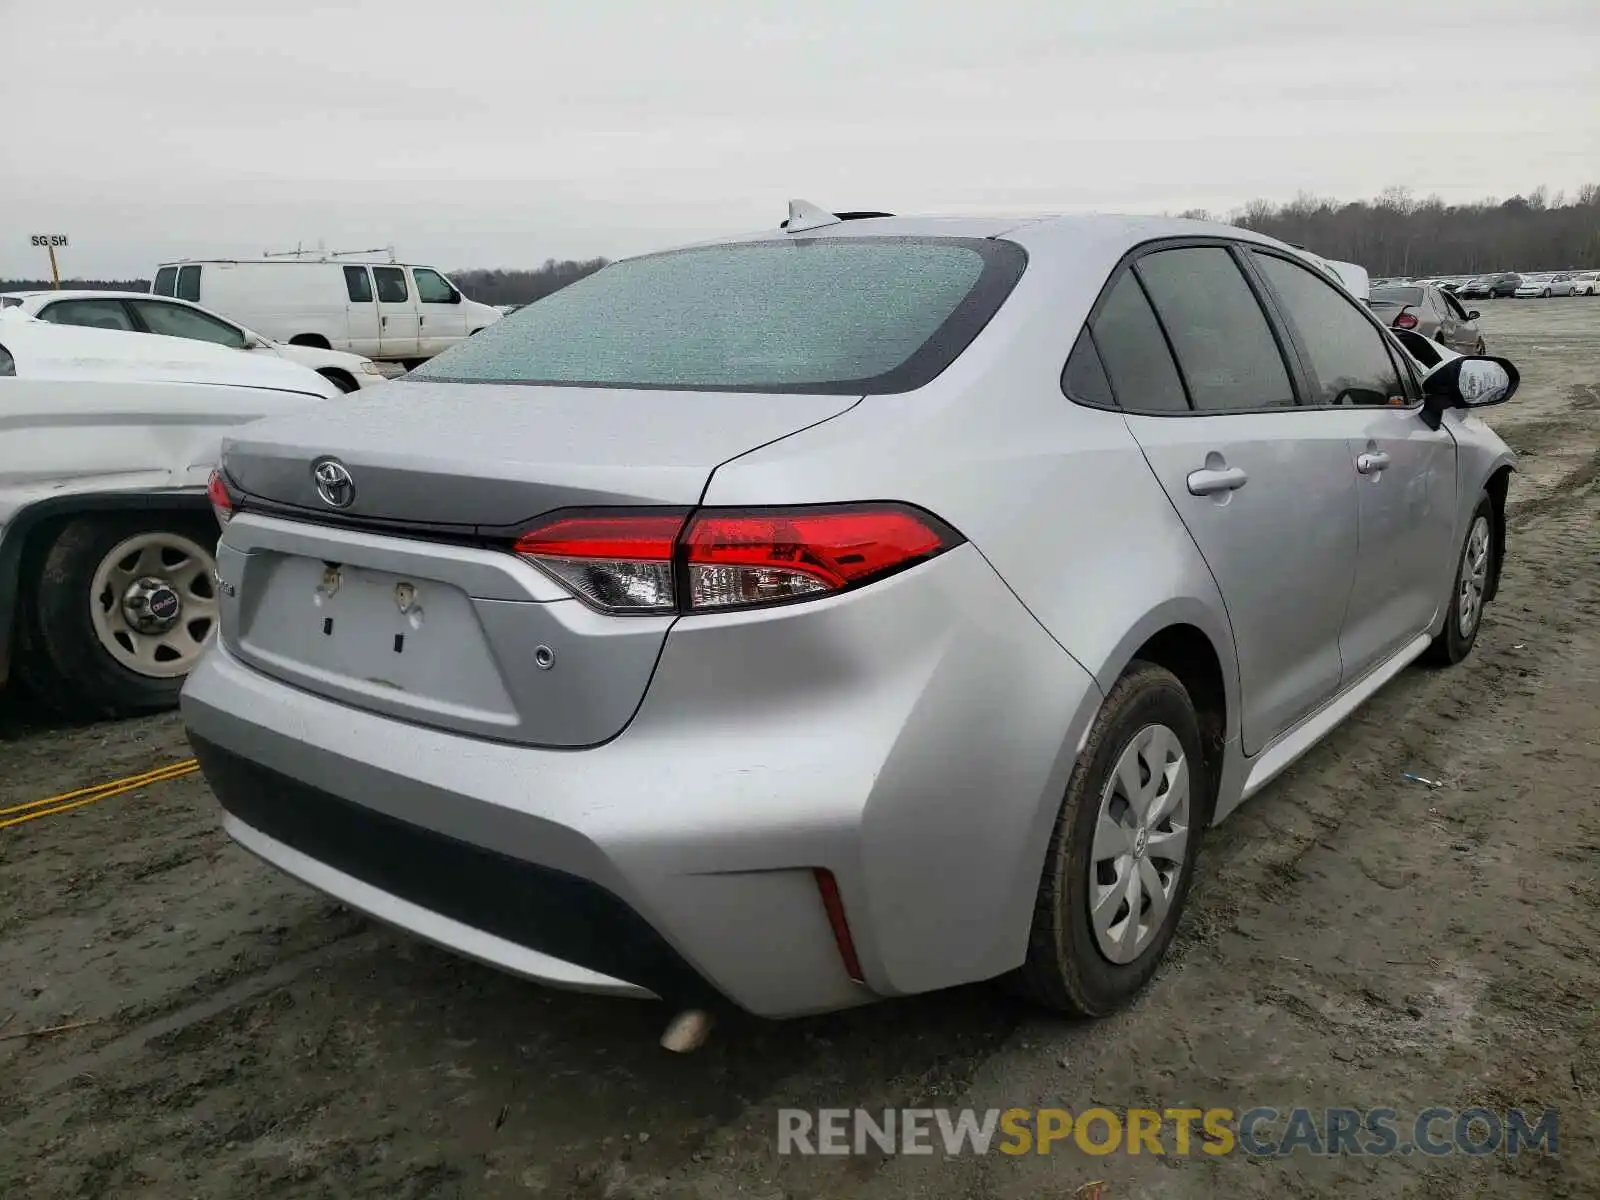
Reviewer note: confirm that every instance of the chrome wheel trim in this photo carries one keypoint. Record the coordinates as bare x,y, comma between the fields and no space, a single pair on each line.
131,610
1141,838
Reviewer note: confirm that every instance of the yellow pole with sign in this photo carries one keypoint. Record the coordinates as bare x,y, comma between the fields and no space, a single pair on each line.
55,273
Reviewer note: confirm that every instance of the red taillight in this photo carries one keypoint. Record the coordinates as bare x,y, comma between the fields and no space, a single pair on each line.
221,499
732,558
1405,321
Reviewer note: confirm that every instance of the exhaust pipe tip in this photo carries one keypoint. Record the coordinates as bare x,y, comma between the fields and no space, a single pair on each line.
687,1031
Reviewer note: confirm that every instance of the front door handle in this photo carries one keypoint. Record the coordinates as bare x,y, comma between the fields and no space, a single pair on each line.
1209,482
1372,462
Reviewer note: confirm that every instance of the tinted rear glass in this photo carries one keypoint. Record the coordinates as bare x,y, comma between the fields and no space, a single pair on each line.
809,315
1397,295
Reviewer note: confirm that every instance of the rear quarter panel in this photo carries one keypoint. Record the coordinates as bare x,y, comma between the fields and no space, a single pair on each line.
1060,502
59,437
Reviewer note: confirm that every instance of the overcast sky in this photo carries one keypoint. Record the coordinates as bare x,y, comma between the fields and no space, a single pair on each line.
503,132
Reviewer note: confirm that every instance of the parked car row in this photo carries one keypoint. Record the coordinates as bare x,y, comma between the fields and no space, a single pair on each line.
1508,284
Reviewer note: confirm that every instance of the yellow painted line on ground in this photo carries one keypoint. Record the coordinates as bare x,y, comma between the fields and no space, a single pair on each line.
67,801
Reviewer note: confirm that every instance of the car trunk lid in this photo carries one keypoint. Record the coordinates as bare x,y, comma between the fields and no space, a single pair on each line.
407,600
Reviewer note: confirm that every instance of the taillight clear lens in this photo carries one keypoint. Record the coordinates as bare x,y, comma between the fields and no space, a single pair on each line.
626,562
221,499
744,558
620,563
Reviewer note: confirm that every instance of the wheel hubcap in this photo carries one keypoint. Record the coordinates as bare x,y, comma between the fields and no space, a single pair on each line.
1141,839
151,606
152,603
1474,576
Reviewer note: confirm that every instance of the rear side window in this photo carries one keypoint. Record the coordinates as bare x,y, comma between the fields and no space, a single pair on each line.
1349,357
1397,295
1085,376
176,320
1135,353
166,283
1225,348
358,285
8,365
391,285
91,314
189,284
828,315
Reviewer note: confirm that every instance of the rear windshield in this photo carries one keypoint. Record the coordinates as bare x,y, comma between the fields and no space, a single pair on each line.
1397,295
830,315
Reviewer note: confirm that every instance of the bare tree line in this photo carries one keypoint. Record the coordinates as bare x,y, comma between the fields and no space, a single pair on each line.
1397,234
1393,234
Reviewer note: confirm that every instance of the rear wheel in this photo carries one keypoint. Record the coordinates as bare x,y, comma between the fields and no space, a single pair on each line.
120,613
1121,858
1474,569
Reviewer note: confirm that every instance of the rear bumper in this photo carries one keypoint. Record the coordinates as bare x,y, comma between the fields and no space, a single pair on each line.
913,738
524,918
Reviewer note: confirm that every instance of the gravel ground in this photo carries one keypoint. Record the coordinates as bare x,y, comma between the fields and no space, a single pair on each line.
1356,939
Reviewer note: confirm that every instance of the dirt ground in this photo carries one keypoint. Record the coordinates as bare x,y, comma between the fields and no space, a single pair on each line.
1356,939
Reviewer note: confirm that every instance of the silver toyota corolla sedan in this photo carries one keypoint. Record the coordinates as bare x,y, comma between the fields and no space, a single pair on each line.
860,608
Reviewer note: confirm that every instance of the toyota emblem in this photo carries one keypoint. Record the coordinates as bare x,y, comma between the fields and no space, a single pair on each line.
334,484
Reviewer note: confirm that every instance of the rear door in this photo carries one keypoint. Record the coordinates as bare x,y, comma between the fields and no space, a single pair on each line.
1407,471
92,314
441,323
361,312
398,321
1264,485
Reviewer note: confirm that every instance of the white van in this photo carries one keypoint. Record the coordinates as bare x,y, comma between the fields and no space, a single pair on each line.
383,310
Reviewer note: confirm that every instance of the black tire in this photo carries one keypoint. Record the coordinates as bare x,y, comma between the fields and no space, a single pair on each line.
342,380
313,341
1453,643
60,658
1065,968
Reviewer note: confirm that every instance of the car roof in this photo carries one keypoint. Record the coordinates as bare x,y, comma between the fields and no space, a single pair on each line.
83,294
293,262
1093,227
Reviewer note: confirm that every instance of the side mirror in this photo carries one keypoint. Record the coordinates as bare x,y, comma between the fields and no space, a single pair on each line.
1471,381
1473,314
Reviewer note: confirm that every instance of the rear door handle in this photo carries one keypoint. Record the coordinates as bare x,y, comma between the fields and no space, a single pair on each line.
1372,462
1209,482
